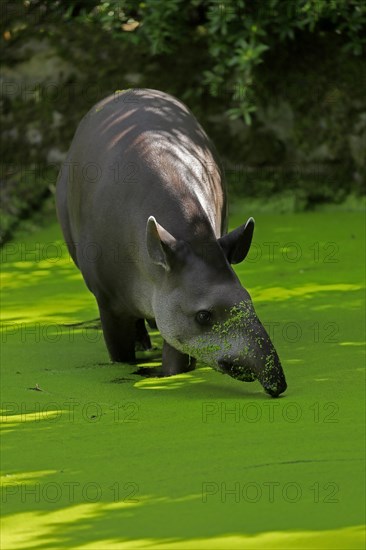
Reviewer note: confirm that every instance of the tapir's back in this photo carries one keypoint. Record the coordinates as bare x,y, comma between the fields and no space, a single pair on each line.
140,153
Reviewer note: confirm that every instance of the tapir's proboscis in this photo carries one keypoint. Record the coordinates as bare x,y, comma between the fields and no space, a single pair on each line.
141,200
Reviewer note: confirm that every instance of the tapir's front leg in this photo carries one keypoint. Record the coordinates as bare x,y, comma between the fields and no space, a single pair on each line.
142,336
119,334
175,362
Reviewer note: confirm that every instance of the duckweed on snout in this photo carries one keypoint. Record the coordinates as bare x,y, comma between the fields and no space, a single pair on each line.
235,337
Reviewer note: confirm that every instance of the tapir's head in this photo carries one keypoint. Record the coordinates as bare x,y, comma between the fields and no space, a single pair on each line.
202,310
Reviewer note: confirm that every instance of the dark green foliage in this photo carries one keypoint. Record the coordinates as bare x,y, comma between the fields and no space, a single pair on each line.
277,84
232,35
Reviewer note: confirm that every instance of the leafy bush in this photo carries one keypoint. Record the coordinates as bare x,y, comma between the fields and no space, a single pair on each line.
233,35
298,118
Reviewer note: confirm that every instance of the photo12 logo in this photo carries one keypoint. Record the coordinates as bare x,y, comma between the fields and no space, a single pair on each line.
69,491
269,491
271,411
69,411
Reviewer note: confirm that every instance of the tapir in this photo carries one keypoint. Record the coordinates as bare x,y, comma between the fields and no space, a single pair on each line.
141,200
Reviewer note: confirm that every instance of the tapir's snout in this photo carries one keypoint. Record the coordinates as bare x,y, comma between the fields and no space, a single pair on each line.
270,375
259,361
275,387
277,391
268,369
233,369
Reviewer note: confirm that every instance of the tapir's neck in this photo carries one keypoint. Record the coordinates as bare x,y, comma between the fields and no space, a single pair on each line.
190,175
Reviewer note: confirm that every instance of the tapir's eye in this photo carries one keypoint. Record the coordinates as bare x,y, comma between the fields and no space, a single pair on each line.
203,317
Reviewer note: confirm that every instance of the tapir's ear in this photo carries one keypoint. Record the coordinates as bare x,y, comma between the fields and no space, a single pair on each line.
160,243
236,244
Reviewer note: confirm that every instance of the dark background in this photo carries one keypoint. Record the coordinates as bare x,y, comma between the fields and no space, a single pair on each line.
279,85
